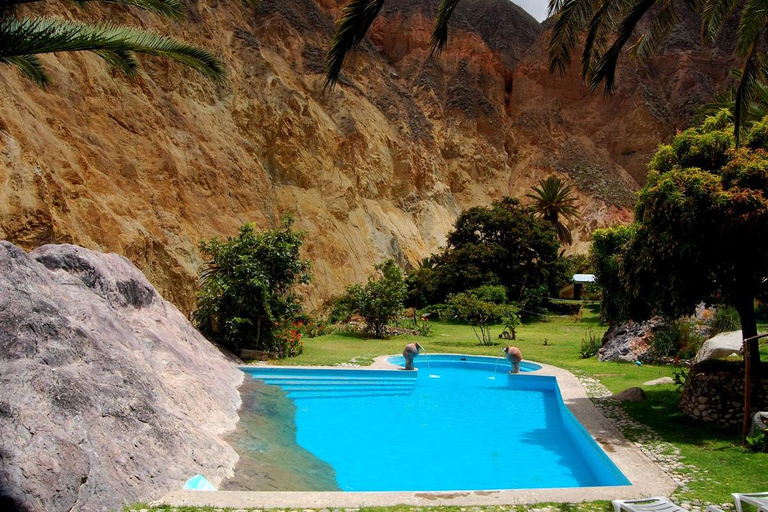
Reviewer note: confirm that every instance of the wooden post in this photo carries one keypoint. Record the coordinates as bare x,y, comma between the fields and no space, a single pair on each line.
747,395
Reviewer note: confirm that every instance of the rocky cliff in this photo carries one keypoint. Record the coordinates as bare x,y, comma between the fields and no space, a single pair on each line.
101,378
379,167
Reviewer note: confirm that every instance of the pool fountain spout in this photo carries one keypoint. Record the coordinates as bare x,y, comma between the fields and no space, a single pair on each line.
514,356
410,352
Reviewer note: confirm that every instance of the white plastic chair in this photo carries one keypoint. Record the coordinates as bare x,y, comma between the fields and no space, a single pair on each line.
758,499
656,504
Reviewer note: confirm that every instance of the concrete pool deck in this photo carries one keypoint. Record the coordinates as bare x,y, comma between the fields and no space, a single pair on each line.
646,477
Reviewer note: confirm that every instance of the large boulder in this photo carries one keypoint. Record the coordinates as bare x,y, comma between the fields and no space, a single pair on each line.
109,395
720,346
629,341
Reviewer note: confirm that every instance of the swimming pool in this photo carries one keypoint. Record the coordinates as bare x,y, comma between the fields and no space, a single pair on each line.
452,426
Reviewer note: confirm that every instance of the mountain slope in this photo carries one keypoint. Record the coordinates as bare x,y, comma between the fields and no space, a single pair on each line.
379,167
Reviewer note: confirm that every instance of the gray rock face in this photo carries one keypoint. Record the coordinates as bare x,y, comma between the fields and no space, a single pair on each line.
630,341
109,395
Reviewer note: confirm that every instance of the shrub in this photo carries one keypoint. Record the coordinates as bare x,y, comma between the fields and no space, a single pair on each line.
564,306
379,301
757,442
478,313
590,344
511,322
288,340
247,287
676,338
681,377
607,253
310,326
490,293
725,319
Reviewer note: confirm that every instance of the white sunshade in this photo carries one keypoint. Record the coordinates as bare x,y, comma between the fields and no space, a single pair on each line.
584,278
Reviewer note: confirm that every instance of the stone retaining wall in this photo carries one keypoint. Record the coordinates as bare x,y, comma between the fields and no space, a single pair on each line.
714,392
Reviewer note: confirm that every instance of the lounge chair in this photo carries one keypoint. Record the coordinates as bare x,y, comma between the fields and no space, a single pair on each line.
758,499
656,504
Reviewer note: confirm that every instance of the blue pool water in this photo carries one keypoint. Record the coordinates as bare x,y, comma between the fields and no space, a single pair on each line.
453,427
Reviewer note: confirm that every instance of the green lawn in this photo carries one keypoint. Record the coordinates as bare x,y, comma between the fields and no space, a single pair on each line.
723,467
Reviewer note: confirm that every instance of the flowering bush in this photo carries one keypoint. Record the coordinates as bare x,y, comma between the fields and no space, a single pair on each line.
310,326
288,341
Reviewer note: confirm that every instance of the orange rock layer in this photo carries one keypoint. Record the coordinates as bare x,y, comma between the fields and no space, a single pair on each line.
380,167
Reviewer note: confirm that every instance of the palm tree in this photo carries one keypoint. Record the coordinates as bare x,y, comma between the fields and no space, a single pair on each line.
609,25
23,39
756,109
554,202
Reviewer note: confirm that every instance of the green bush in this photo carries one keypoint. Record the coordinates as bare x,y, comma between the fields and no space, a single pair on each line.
590,344
379,301
490,293
247,288
564,306
725,319
478,313
677,338
607,255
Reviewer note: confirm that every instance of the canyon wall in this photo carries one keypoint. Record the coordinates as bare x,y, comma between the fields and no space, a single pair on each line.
379,167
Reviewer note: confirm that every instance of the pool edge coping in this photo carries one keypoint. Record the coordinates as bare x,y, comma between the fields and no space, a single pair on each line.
645,476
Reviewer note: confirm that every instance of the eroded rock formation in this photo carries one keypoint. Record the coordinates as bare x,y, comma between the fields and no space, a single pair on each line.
379,167
109,395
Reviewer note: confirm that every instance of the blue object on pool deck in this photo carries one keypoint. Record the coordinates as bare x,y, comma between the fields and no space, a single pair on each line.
198,483
403,431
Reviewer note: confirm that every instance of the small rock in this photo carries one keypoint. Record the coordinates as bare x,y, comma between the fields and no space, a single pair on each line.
660,381
633,394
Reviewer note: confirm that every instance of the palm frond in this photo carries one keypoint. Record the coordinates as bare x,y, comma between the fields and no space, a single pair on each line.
605,70
602,21
31,67
440,32
751,27
663,23
168,8
123,61
26,37
713,14
571,18
750,76
554,7
356,18
756,108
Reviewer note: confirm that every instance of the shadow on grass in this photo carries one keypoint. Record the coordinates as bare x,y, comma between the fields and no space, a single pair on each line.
660,412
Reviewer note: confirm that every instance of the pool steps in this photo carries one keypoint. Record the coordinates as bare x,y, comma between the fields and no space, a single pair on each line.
336,383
